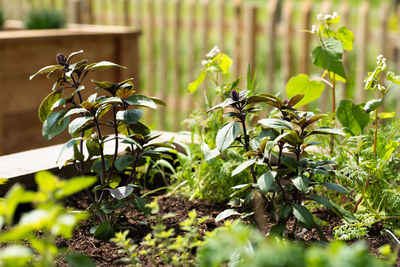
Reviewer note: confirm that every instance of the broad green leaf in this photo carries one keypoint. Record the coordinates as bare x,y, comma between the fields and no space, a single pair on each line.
224,63
386,115
93,148
68,145
303,215
373,105
109,100
322,200
46,106
301,84
210,154
79,260
73,54
196,83
16,255
102,85
121,192
46,69
265,181
74,185
327,130
347,215
225,214
103,65
121,163
78,123
141,100
391,76
46,181
104,231
257,99
141,205
129,116
329,57
277,124
301,183
336,187
75,111
346,37
96,167
158,101
226,135
352,116
243,166
55,124
295,99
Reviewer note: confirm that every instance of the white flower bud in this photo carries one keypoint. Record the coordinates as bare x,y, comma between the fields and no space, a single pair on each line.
314,29
319,17
328,17
335,15
213,52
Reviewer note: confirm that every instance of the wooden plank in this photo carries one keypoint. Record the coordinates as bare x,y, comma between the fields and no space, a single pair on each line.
163,61
221,24
114,12
149,34
191,45
344,10
237,37
384,13
205,34
327,93
177,67
127,19
273,10
305,37
361,43
138,13
287,57
251,37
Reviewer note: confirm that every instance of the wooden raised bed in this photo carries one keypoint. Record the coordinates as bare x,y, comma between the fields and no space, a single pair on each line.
23,52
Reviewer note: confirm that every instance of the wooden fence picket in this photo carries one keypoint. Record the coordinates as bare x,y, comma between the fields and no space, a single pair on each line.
361,42
288,32
163,59
149,34
273,8
191,48
237,33
176,98
305,37
344,11
250,35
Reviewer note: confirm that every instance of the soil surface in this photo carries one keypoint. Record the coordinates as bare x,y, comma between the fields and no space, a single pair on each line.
105,253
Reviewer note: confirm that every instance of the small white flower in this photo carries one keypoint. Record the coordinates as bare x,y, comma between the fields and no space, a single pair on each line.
328,17
380,57
205,62
335,15
319,17
314,29
213,52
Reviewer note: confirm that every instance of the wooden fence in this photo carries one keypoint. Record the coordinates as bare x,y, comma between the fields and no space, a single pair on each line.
266,35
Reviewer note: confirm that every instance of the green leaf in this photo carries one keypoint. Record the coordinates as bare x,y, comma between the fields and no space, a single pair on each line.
301,84
303,215
301,183
265,181
277,124
46,106
103,65
336,187
322,200
225,214
346,37
96,167
79,260
329,57
73,54
78,123
74,185
141,205
224,63
391,76
141,100
243,166
158,101
55,124
104,231
196,83
327,130
121,163
46,69
352,116
121,192
46,181
372,105
347,215
16,255
67,146
226,135
129,116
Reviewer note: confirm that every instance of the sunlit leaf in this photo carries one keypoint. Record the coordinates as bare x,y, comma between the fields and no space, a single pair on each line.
301,84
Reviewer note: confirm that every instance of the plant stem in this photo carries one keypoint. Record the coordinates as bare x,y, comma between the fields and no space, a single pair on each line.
333,108
247,146
116,142
376,131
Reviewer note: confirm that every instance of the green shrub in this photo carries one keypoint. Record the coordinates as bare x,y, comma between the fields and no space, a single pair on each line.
45,19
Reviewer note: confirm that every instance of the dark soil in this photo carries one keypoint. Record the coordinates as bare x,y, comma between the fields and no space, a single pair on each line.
105,253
